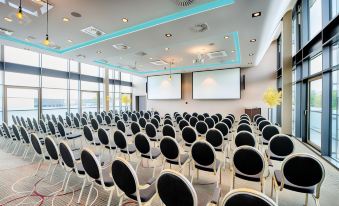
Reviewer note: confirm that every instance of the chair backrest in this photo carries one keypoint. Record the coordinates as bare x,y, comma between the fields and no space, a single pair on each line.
18,121
168,130
215,138
248,161
125,177
61,119
155,122
24,135
95,124
103,136
259,119
174,188
206,114
16,132
189,135
30,124
232,118
183,123
91,164
142,143
255,117
178,118
76,122
6,129
99,119
43,126
120,139
66,154
61,129
151,131
194,114
295,166
142,122
215,118
135,128
228,122
223,128
244,121
108,119
244,127
201,127
35,124
110,115
201,117
51,148
193,121
134,117
187,117
245,196
84,121
14,120
169,148
269,131
51,127
125,117
116,118
78,115
263,124
203,153
36,144
68,121
281,145
210,122
88,133
54,119
244,138
121,126
219,116
168,122
147,116
23,122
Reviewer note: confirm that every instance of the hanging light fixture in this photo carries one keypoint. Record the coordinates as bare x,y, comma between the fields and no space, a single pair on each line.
19,14
46,41
170,76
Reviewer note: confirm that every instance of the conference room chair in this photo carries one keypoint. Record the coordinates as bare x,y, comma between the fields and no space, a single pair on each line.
204,158
18,121
187,117
10,138
216,139
48,118
157,117
193,121
54,119
143,145
108,121
152,133
257,122
135,128
267,133
201,128
156,113
210,122
89,136
219,116
205,114
53,153
122,144
178,119
36,126
17,139
141,113
300,172
40,152
30,125
77,115
142,122
232,116
155,122
224,129
125,118
229,123
244,127
168,116
116,119
173,155
215,118
68,135
279,147
248,164
182,124
245,138
84,121
244,121
128,186
169,130
77,124
262,124
147,116
105,141
189,135
201,117
26,141
100,120
69,123
97,174
23,122
168,122
246,196
134,117
43,129
14,119
255,117
122,127
195,114
94,124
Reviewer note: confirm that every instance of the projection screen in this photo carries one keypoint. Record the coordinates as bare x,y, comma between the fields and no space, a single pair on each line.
217,84
164,87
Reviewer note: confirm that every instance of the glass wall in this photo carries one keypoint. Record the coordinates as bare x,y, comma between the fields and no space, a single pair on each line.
335,115
315,112
335,8
315,17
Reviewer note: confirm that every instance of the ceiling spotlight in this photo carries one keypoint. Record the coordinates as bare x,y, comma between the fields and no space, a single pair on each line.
166,49
150,58
81,56
233,51
99,52
46,41
8,19
168,35
19,14
125,20
256,14
253,40
226,37
69,40
65,19
251,54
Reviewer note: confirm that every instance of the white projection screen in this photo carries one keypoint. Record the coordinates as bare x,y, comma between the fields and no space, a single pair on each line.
164,87
217,84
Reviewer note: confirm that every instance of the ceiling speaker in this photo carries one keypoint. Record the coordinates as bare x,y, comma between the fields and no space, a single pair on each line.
184,3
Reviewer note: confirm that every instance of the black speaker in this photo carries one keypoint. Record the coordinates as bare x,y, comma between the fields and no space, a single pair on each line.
243,84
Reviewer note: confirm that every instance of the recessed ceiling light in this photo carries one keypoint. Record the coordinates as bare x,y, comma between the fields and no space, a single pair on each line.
226,37
124,20
65,19
150,58
99,52
26,39
81,56
253,40
166,49
8,19
168,35
69,40
256,14
251,54
233,51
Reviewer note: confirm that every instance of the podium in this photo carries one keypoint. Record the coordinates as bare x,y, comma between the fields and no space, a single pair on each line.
252,111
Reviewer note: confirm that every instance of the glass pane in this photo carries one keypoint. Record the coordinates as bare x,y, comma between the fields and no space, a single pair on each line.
111,100
293,109
316,64
90,86
54,101
74,84
102,72
335,8
22,103
126,89
51,62
315,110
90,70
335,115
126,102
21,56
117,101
89,101
315,17
125,77
18,79
335,54
74,99
54,82
117,75
294,36
73,66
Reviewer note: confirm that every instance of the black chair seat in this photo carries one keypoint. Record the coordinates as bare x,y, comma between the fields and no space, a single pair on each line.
95,142
153,154
145,194
80,168
130,149
110,147
74,136
273,156
254,178
107,178
155,139
279,176
209,168
183,159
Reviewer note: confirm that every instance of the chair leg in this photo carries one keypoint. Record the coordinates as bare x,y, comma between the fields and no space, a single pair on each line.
81,191
306,199
153,162
317,202
110,198
121,200
89,194
272,186
233,182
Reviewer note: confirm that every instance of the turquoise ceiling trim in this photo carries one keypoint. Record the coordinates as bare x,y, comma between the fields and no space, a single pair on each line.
237,60
149,24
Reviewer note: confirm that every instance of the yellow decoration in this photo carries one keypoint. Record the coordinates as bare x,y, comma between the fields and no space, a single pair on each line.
272,97
125,100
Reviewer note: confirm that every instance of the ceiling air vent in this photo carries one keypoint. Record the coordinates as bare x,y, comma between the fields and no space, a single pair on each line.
184,3
6,31
198,28
120,46
93,31
159,62
217,54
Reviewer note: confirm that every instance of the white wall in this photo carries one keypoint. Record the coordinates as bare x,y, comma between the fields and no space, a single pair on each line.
258,79
139,88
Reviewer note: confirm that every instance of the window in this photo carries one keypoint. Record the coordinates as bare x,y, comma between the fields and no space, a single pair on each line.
335,115
126,102
125,77
117,75
73,66
21,56
335,54
316,64
54,101
315,112
89,101
54,82
293,108
19,79
126,89
52,62
315,17
117,101
89,86
335,8
294,36
89,70
74,101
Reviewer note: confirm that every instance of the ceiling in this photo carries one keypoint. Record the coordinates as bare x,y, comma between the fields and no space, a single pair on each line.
144,33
